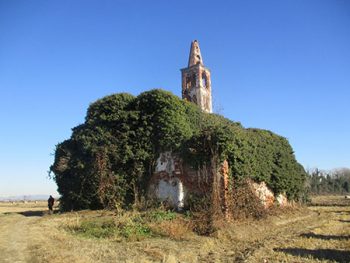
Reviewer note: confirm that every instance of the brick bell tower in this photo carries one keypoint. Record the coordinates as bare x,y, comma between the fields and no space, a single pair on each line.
196,83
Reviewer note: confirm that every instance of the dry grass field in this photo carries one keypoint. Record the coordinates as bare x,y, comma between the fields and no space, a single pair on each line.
319,233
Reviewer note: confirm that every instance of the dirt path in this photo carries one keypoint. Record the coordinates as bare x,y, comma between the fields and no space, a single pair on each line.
321,234
244,241
19,230
15,237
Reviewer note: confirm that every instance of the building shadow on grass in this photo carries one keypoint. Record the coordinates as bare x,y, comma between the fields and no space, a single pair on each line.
324,237
32,213
320,254
340,212
332,205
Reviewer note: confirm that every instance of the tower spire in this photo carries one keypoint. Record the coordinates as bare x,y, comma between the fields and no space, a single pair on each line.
195,54
196,82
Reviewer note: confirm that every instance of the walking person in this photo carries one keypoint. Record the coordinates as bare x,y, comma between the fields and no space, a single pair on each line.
50,203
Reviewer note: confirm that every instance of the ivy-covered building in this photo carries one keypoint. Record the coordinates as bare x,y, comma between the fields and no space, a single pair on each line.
174,181
158,146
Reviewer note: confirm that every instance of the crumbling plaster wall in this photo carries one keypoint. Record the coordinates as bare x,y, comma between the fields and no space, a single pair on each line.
173,181
282,200
166,186
266,196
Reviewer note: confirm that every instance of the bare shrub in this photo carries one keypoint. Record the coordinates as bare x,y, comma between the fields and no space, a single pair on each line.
244,203
203,214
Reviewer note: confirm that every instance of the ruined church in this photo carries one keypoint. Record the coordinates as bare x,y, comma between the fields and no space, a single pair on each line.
173,180
103,149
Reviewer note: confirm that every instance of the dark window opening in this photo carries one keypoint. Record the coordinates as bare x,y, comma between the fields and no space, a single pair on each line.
204,80
190,82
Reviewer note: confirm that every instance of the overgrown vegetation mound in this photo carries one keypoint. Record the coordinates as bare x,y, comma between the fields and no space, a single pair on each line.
109,158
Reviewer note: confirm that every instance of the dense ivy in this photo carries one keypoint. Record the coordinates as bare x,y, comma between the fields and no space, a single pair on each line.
109,159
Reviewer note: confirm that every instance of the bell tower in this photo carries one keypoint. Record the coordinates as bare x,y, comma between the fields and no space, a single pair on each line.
196,83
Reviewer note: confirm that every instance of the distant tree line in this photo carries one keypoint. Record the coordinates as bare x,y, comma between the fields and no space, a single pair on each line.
335,181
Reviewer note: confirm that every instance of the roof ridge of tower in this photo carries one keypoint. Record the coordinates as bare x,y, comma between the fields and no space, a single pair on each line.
195,54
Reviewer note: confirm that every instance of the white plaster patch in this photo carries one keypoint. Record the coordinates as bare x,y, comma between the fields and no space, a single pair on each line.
172,191
282,200
265,195
165,163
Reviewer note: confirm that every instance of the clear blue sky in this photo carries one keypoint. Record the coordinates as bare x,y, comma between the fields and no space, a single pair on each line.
277,65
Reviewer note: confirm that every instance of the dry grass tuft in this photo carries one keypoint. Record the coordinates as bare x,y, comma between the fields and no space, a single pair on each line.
177,229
